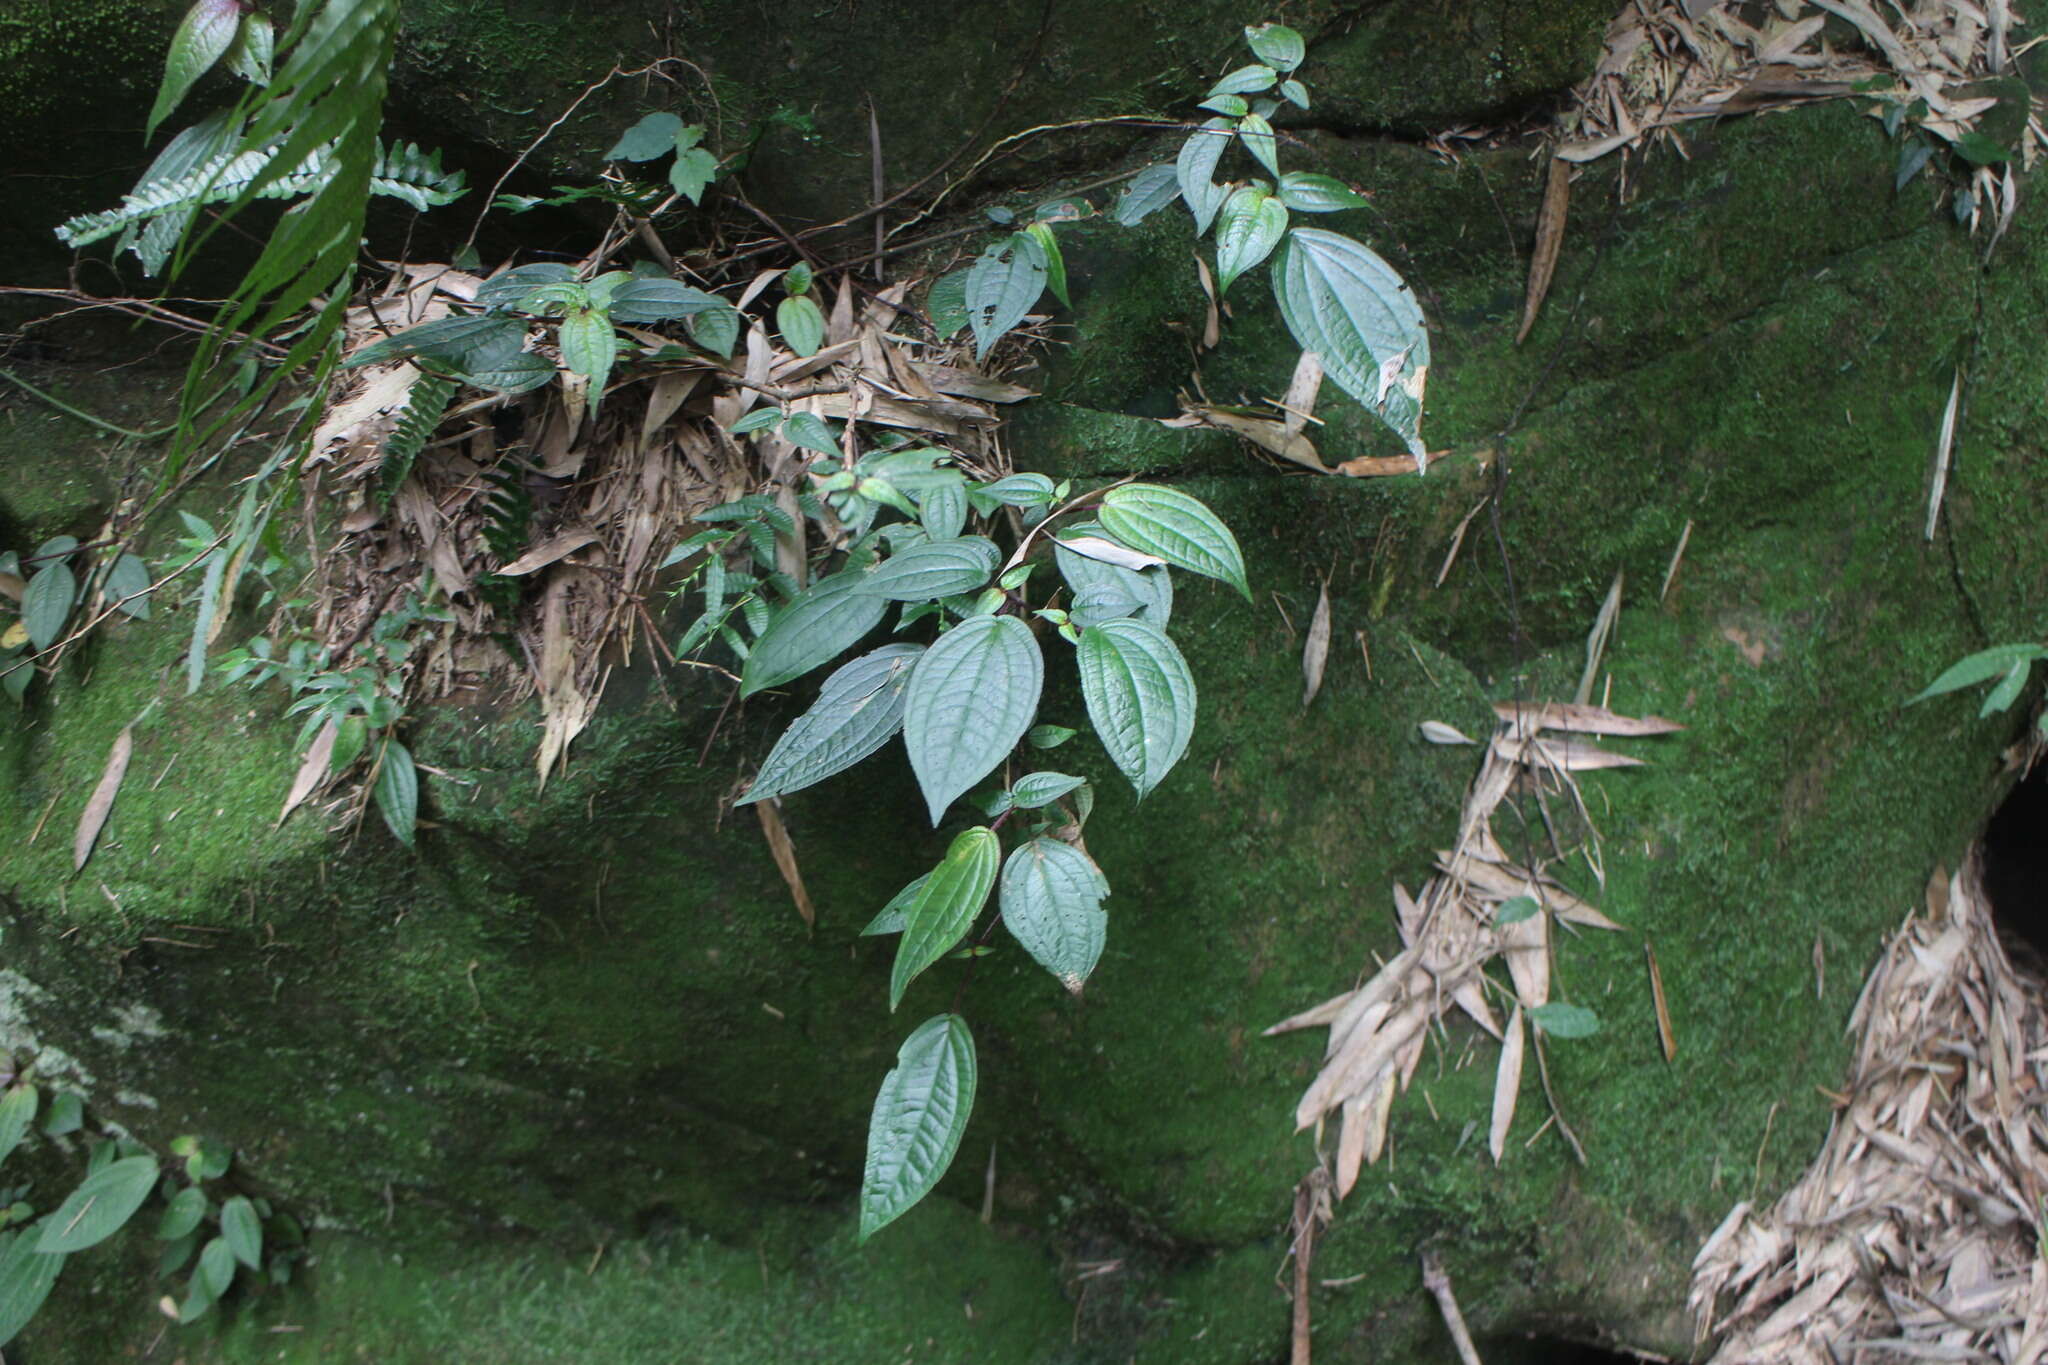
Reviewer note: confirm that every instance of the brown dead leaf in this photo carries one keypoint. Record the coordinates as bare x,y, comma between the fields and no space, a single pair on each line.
1315,653
1212,326
101,803
1267,434
1666,1038
1549,240
1385,466
312,769
784,853
1529,717
1300,399
548,551
967,384
1507,1086
1109,552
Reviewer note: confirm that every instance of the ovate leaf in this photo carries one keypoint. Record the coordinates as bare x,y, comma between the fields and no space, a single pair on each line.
801,324
216,1268
26,1277
1041,789
1561,1020
46,605
1178,528
1104,591
1055,263
946,906
589,346
1140,695
894,916
716,330
398,791
943,511
947,302
934,569
824,621
1306,192
859,710
99,1206
204,34
1195,169
242,1230
1052,904
660,300
1259,141
1351,308
1003,285
651,137
17,1112
972,696
1277,45
129,579
920,1113
1149,191
1251,225
1246,80
187,1210
508,287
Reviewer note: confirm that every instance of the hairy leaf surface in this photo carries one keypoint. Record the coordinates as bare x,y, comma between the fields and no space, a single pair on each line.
1251,225
1195,169
1178,528
1002,286
1349,306
972,697
824,621
1052,904
937,568
919,1115
1140,695
859,710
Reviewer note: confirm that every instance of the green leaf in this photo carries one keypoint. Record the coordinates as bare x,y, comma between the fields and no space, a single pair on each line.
694,170
937,568
1176,527
187,1210
943,511
176,1253
1981,149
797,279
199,1299
946,301
1003,285
946,906
808,430
67,1114
100,1205
894,915
1052,904
1351,308
589,346
26,1277
717,331
920,1113
972,696
801,324
216,1268
1033,790
1246,80
1251,225
660,300
472,341
517,373
1195,170
1018,490
859,709
2007,692
824,621
204,34
254,49
1050,736
760,419
242,1230
17,1111
1140,695
1230,106
1055,263
1257,135
1276,45
1149,191
1295,93
1104,592
1981,667
398,791
651,137
1307,192
46,605
1515,911
1560,1020
508,288
129,578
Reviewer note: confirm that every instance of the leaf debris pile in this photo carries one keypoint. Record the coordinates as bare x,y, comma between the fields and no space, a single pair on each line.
1481,906
1915,1234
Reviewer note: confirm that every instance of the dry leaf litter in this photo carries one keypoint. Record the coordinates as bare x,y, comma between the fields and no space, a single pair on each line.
1917,1234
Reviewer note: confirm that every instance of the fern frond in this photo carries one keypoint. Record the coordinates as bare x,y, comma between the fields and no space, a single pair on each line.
425,405
406,171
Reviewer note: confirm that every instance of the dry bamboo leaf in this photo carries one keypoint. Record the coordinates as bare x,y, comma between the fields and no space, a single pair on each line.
1529,717
312,768
793,368
1942,445
1570,756
1458,539
1300,399
945,417
1507,1086
670,392
1386,466
839,326
1596,639
555,547
1351,1141
1212,326
1267,435
967,384
1315,653
355,428
784,853
1549,241
1526,946
1436,732
101,803
1666,1037
1671,571
1109,552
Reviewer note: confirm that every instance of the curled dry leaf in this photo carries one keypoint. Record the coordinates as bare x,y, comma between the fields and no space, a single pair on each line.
1436,732
1549,240
312,768
784,853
